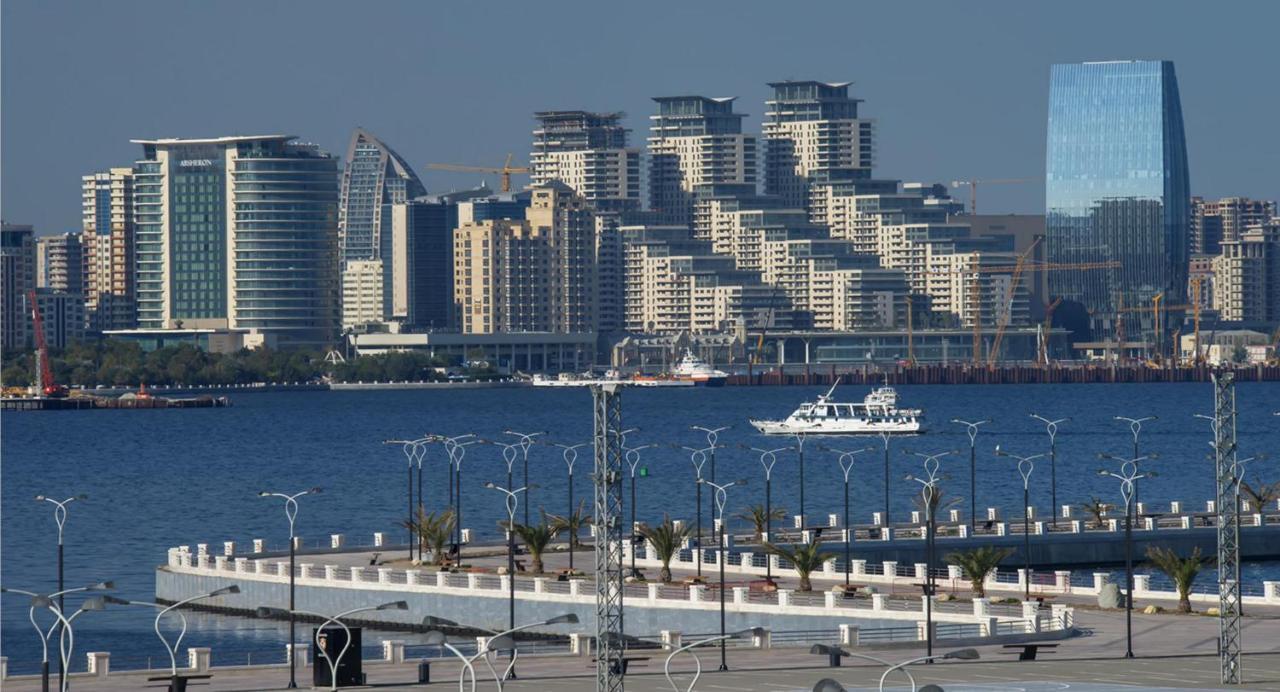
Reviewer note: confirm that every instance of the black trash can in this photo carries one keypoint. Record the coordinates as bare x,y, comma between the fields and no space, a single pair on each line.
329,641
424,672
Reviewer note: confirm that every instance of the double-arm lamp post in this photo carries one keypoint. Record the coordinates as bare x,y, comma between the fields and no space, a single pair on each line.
768,457
570,455
1026,465
291,513
846,466
971,429
1128,477
60,518
929,493
721,498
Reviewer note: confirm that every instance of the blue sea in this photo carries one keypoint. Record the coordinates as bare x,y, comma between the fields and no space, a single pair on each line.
157,479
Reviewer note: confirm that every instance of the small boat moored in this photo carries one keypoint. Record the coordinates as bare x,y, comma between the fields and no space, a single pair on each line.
878,413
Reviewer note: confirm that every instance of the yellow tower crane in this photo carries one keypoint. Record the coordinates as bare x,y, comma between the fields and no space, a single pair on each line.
973,187
505,171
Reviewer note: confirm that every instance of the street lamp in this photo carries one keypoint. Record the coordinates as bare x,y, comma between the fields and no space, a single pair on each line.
570,455
46,601
175,681
800,437
437,638
334,662
884,439
971,428
512,501
713,437
1051,427
456,448
768,457
698,457
632,457
961,655
835,653
526,441
60,518
1128,489
1025,466
666,667
497,642
721,497
291,513
414,451
846,465
929,493
1135,428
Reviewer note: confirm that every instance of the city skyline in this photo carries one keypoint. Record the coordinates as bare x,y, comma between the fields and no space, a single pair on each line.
942,112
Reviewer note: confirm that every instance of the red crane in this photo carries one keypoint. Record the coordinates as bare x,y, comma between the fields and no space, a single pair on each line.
45,385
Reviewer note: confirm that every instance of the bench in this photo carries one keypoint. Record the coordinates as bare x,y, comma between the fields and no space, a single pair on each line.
1028,651
623,663
176,683
849,590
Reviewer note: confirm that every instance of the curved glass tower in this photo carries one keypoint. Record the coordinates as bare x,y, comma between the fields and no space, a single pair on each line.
1116,188
375,176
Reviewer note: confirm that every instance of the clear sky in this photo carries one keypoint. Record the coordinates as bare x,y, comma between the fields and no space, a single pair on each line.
959,89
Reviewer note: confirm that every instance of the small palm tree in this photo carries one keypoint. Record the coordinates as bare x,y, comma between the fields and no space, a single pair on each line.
978,563
806,557
434,532
536,538
939,502
1261,496
666,540
572,523
759,517
1095,508
1181,571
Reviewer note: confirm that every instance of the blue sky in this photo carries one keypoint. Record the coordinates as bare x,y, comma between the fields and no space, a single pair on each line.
958,89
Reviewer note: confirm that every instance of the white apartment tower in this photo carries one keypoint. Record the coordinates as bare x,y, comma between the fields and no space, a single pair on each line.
696,146
812,133
589,153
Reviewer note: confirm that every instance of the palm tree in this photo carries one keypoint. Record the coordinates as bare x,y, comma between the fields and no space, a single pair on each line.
1181,571
666,539
938,500
978,563
1095,508
806,557
759,518
434,531
536,538
572,523
1262,495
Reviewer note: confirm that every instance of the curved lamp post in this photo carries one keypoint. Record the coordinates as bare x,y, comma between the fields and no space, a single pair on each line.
961,655
164,610
1051,427
526,441
60,518
1128,478
47,601
929,493
666,667
291,513
884,440
846,465
497,642
1135,428
456,448
800,437
512,501
697,457
1025,466
570,455
836,653
437,638
971,429
768,457
713,439
414,451
722,497
632,458
334,662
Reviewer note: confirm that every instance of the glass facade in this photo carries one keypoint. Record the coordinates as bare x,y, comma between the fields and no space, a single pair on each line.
375,176
197,233
1116,187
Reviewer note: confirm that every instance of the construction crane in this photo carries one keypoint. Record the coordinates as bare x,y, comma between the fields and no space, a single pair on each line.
1006,314
1159,311
506,170
973,187
45,386
764,327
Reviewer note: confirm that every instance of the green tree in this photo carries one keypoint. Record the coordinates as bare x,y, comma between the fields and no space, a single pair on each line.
1239,354
1261,495
977,564
573,523
1181,571
1095,508
666,540
434,531
758,517
536,538
806,557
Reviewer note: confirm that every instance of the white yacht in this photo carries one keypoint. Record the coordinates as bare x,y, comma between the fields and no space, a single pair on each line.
878,413
694,369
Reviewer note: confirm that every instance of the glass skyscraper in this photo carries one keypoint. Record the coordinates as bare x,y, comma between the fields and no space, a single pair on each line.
1116,189
375,176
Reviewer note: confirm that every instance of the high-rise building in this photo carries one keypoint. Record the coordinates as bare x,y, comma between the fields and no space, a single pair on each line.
812,133
535,274
59,264
375,176
589,153
238,233
695,144
17,278
108,245
1116,188
1246,276
1214,222
62,315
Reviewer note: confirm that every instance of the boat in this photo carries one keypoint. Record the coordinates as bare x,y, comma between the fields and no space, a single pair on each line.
878,413
698,371
568,379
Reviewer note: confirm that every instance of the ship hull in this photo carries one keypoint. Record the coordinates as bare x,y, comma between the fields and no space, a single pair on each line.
779,427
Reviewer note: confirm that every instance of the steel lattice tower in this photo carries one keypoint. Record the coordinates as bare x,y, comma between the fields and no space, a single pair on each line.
607,399
1228,497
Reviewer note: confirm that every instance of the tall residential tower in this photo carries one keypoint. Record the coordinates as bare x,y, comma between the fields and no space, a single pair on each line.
108,244
812,133
589,153
696,145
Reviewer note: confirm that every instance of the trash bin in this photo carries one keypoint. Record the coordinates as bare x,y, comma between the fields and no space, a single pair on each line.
330,641
424,672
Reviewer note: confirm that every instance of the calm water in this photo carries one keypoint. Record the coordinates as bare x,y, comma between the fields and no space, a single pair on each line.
163,478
